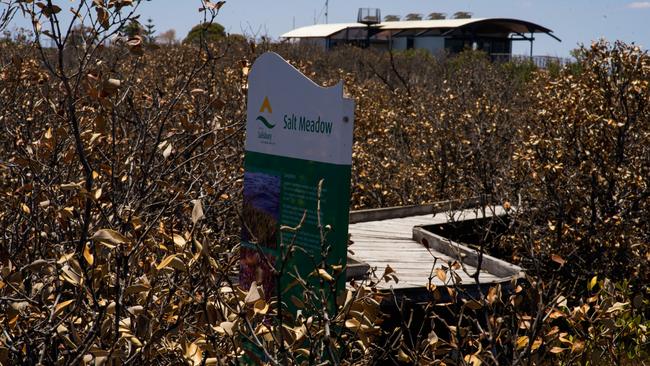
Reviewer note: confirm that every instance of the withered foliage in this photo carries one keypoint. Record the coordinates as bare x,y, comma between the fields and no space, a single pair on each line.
120,178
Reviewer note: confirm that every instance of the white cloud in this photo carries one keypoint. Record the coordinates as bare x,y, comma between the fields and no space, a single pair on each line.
639,5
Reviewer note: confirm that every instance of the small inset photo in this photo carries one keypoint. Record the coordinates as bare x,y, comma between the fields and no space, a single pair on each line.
261,209
256,266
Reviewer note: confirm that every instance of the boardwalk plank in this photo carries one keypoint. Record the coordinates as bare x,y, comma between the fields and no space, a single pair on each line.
390,242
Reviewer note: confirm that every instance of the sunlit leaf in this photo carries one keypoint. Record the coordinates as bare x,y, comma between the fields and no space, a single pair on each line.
168,151
473,360
592,282
88,255
197,211
441,274
166,262
618,306
352,324
403,356
253,294
522,342
227,327
109,236
324,275
62,305
179,241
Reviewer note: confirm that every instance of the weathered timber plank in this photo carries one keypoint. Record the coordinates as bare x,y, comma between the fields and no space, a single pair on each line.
405,211
467,255
389,239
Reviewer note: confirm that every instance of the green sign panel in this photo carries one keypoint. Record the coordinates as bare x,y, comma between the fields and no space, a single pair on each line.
298,135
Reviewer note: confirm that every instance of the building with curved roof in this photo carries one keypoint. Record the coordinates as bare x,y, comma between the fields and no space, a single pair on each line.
492,35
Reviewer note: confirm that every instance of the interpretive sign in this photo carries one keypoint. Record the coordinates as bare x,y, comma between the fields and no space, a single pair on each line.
297,135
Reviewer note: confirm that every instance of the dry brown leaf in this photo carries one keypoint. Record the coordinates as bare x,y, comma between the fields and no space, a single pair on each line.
135,310
432,338
253,294
352,324
402,356
88,255
178,264
388,270
618,306
197,211
324,275
303,352
69,275
111,86
260,307
70,186
137,288
473,360
135,341
592,283
166,262
227,327
441,274
103,16
179,241
492,295
167,151
193,354
558,259
522,342
110,237
58,309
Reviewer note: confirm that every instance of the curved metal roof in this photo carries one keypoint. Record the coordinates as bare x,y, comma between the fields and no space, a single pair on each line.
427,24
320,30
504,25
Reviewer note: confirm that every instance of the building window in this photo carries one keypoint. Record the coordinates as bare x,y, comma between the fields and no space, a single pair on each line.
454,45
410,43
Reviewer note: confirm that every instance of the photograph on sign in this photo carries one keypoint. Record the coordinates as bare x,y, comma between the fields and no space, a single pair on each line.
261,208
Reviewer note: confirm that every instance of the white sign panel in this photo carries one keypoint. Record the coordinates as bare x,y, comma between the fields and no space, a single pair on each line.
289,115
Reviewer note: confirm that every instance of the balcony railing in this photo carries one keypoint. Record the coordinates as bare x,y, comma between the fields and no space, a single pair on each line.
543,62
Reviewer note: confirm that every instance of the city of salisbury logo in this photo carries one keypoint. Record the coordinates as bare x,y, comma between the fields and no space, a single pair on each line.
266,106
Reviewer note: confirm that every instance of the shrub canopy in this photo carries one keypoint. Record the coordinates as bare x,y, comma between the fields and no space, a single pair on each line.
209,32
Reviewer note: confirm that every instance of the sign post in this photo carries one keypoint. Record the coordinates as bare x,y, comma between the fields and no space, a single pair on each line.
298,135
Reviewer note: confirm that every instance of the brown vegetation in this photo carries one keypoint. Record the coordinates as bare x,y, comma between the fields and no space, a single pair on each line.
120,178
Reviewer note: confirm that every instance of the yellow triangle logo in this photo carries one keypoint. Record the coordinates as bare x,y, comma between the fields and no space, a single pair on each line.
266,106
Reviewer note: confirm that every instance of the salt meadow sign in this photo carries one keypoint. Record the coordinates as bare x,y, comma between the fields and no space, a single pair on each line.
298,124
298,135
303,124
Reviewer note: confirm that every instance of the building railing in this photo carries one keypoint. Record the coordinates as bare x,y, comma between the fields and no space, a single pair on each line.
542,62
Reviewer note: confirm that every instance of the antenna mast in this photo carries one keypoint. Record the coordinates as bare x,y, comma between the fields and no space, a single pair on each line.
327,2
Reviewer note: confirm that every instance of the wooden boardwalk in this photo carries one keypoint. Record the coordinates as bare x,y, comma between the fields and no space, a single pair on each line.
393,241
